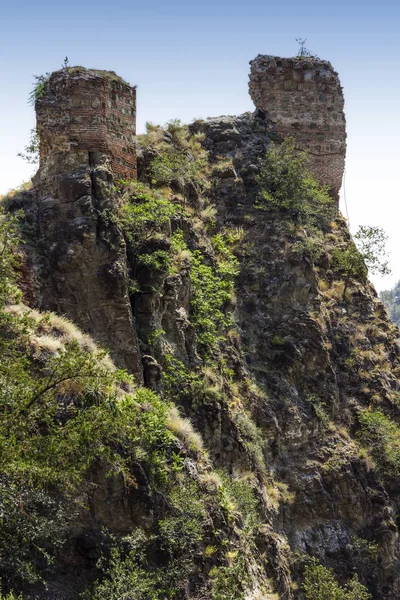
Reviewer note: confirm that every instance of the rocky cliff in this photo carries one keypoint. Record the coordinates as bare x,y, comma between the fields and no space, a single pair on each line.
255,454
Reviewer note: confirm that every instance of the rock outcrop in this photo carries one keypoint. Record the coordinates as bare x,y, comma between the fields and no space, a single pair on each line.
235,313
78,260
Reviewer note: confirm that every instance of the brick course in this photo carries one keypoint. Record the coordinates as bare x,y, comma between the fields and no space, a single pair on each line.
85,109
304,99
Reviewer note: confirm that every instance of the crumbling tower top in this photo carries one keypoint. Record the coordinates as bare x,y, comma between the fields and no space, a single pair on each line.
88,110
302,98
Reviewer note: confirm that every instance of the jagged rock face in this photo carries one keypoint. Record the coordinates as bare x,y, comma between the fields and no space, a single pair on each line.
303,98
293,341
80,255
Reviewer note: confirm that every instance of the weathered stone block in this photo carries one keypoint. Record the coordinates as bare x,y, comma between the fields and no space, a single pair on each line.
77,112
308,96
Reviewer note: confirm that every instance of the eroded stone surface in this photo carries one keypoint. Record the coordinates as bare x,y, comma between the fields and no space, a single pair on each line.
304,99
94,111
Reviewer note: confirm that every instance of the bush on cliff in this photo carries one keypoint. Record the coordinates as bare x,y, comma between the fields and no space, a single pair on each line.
381,436
286,184
319,583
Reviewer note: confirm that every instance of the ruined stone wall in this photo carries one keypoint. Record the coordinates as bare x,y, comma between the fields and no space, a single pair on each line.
304,99
84,109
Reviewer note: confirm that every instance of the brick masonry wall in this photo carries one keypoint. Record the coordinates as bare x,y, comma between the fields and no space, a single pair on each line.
91,110
304,99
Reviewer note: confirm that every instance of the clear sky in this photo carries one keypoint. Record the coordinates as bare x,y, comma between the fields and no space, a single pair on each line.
190,60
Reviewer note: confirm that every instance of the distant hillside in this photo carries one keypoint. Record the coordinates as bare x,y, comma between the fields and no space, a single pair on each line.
391,299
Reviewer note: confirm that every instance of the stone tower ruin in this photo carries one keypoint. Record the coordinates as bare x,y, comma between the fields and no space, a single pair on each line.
88,110
303,98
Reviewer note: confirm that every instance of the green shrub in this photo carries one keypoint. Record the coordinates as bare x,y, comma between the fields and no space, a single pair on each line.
126,573
168,168
381,436
286,184
63,411
320,410
238,498
9,257
319,583
278,341
366,255
39,87
212,294
31,150
228,582
180,157
143,213
10,596
311,247
129,573
253,439
32,525
350,263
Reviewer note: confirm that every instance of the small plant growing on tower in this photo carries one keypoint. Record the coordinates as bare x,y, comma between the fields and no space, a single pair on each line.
39,87
303,51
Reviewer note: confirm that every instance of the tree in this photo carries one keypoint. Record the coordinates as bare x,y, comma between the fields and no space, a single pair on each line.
391,299
31,150
371,242
366,255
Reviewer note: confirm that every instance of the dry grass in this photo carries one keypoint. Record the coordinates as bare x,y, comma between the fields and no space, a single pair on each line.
335,291
367,459
19,310
323,285
233,335
153,137
208,214
184,430
181,260
211,480
55,332
71,387
222,163
69,332
254,389
46,344
198,225
278,492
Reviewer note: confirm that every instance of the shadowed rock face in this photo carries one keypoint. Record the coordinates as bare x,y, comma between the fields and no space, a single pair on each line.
81,253
86,121
304,99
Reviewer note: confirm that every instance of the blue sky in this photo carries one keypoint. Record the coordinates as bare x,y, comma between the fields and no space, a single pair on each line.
190,60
